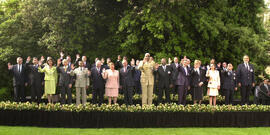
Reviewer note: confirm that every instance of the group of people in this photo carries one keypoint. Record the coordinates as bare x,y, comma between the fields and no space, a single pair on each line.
145,77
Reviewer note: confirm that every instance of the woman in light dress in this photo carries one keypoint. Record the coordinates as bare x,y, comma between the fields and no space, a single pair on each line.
213,84
112,83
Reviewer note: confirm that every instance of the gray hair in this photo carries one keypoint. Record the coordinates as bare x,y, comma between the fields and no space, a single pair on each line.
64,60
98,61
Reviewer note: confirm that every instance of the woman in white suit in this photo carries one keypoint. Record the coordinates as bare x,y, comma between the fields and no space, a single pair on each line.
213,84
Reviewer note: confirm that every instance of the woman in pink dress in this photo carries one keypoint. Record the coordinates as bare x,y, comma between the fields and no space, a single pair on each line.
112,83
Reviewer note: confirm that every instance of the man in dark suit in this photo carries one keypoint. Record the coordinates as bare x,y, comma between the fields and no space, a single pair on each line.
229,83
174,67
19,79
36,79
246,79
222,71
98,83
197,79
164,78
65,81
182,82
137,78
189,67
127,81
264,92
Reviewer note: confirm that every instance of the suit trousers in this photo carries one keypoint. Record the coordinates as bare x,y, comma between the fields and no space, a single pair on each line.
128,93
161,90
182,93
138,87
98,93
147,94
65,90
36,92
228,96
245,91
19,95
174,89
80,91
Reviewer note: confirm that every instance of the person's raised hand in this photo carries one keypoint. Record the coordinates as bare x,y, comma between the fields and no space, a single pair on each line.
72,66
28,59
58,62
9,66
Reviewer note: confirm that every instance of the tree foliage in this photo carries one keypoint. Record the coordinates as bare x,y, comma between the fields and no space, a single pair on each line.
199,29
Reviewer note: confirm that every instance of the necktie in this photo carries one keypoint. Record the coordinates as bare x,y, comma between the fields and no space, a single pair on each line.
247,66
20,68
198,71
164,68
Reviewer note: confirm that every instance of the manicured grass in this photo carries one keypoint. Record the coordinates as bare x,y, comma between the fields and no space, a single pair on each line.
10,130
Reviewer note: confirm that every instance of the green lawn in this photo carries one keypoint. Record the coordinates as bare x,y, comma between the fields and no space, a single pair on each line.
9,130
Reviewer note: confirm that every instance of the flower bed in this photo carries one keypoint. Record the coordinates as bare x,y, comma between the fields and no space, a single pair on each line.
133,108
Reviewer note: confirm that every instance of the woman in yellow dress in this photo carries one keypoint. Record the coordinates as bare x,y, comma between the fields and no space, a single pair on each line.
50,78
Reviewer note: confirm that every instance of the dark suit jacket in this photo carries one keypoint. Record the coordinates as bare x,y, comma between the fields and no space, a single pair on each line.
173,67
65,78
196,78
180,77
164,77
97,79
137,76
229,80
245,76
127,78
34,77
221,74
263,93
19,78
93,65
